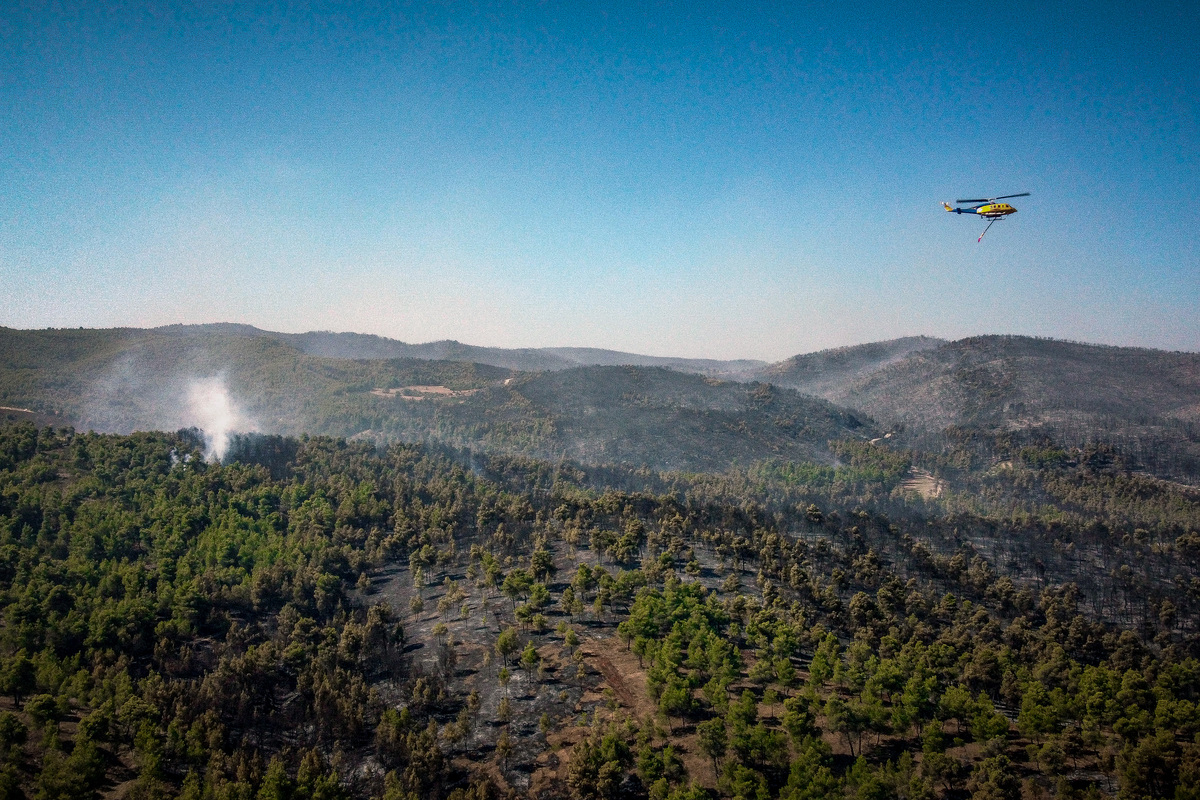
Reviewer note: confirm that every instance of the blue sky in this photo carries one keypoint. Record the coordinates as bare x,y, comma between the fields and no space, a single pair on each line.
677,179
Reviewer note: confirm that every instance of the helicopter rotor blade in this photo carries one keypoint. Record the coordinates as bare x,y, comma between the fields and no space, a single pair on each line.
990,199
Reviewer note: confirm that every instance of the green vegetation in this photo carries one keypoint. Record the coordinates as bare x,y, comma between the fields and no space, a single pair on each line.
321,619
190,629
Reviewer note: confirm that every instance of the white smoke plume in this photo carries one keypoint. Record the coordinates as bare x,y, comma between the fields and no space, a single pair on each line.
166,387
215,413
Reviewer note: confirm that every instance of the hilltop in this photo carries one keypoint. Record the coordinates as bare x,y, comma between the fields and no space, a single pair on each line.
828,373
1145,403
1018,380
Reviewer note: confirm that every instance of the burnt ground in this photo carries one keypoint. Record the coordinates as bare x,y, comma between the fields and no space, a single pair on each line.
612,684
563,693
601,679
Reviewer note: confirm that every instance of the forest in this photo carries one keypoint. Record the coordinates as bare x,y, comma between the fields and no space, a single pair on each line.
321,618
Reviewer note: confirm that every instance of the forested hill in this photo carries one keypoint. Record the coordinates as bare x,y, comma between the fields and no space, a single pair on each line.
1144,402
1018,379
124,380
829,373
653,416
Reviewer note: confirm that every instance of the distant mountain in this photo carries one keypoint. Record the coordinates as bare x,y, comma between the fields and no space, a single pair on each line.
829,373
122,380
739,369
1144,402
368,346
663,412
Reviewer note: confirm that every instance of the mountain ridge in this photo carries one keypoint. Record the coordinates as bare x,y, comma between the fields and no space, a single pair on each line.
921,389
332,344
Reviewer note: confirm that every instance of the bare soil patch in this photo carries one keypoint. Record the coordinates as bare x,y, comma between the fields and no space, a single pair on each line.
619,668
422,392
923,483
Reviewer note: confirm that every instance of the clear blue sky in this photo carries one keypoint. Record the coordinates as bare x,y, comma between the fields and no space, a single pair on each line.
685,179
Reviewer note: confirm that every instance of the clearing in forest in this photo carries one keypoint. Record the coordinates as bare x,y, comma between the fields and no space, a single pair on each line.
923,483
422,392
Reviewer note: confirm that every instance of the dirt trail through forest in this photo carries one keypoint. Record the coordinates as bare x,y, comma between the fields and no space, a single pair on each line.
621,674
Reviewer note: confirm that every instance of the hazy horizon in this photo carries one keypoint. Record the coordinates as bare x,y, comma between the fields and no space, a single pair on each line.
664,355
684,181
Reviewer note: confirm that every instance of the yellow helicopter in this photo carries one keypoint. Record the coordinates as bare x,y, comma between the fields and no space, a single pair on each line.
988,209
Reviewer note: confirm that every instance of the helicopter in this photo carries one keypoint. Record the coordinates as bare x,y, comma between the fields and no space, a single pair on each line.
988,209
